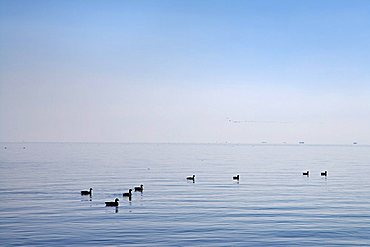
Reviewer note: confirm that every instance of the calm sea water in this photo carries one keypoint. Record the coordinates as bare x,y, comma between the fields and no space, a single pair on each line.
272,205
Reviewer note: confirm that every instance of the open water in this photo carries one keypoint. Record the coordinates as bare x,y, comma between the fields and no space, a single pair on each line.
273,204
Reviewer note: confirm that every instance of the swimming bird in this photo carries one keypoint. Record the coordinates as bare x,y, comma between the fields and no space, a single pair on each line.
191,178
307,173
127,194
236,177
139,189
325,173
86,192
112,204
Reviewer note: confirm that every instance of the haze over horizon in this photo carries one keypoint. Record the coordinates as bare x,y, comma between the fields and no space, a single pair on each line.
185,71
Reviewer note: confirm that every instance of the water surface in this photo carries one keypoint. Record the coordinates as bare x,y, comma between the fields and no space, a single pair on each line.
272,205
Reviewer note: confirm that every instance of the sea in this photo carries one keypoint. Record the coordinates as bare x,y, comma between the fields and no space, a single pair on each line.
273,203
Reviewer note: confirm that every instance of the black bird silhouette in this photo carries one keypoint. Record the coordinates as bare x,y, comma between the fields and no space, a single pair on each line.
86,192
191,178
325,173
112,204
236,177
127,194
307,173
139,189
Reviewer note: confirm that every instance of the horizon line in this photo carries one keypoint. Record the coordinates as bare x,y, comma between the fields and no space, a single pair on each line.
194,143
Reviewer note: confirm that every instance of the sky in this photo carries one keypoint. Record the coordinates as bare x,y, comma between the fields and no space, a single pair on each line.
185,71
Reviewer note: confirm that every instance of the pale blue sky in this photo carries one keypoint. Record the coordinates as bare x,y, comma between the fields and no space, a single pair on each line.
178,71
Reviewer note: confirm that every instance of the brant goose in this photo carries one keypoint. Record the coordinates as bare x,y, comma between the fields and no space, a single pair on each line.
236,177
112,204
127,194
86,192
191,178
325,173
139,189
307,173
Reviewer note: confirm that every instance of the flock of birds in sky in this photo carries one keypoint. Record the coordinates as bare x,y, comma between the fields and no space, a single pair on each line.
140,188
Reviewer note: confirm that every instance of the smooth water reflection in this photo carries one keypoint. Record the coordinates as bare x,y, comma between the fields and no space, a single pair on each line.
272,204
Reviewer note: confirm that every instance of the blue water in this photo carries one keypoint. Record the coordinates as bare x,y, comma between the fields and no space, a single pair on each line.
272,205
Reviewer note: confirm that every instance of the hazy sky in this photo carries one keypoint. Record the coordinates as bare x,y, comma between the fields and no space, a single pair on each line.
185,71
